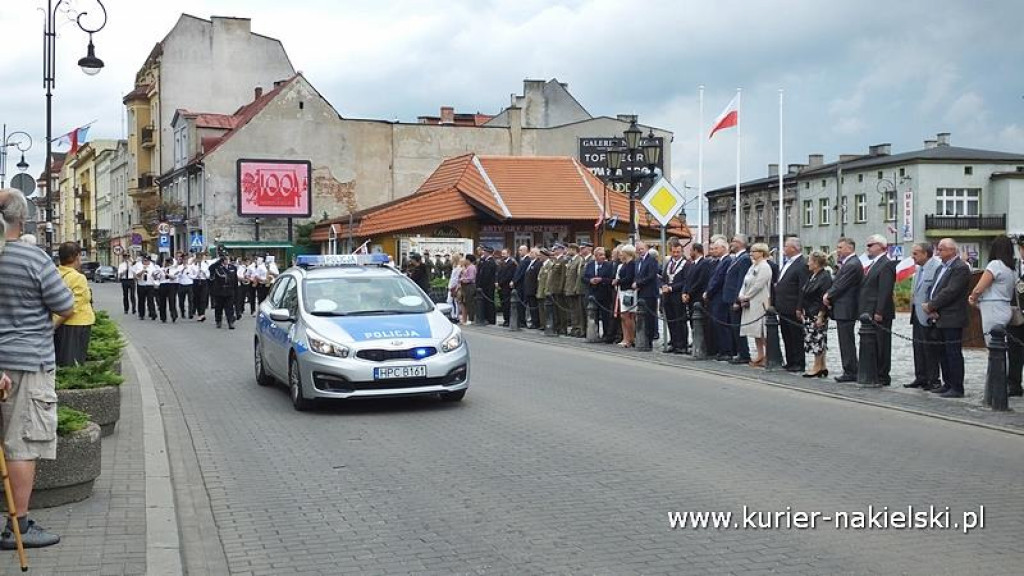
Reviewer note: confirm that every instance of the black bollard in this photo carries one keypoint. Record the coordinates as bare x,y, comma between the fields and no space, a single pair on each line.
698,320
643,342
513,322
867,363
549,316
772,342
996,392
593,324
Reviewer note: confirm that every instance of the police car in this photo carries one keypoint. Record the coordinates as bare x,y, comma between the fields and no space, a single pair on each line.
351,327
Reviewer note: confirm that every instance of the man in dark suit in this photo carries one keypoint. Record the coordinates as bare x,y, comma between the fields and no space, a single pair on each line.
786,296
646,285
519,281
506,271
947,309
731,293
876,300
841,298
597,277
926,353
720,310
697,275
486,274
530,281
673,277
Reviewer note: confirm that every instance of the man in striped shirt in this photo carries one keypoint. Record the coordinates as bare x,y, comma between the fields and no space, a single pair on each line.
31,291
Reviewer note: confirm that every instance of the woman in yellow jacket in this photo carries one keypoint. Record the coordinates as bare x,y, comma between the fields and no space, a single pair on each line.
71,335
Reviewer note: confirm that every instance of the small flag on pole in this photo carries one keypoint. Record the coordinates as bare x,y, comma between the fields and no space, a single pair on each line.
728,118
74,139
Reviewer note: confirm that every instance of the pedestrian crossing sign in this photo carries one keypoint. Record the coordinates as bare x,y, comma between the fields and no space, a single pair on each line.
663,201
197,242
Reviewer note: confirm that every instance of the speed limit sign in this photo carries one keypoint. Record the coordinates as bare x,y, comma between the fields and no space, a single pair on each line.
164,228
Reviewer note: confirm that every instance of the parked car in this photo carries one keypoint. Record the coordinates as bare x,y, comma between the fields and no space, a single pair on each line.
89,268
104,274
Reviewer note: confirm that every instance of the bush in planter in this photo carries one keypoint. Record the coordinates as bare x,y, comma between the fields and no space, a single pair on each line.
105,342
93,388
70,477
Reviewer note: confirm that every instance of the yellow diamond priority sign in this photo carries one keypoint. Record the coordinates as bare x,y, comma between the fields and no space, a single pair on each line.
663,201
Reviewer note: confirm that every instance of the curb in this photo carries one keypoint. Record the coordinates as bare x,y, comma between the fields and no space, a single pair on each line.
163,546
711,371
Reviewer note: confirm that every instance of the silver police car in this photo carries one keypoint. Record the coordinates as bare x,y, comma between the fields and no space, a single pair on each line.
351,327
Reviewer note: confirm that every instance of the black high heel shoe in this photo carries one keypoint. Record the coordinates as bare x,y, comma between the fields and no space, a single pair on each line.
821,374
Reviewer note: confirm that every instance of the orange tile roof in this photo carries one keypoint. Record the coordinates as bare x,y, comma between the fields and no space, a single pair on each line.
505,188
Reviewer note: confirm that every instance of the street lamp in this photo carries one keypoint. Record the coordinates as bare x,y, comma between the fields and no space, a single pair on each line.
20,143
90,64
652,153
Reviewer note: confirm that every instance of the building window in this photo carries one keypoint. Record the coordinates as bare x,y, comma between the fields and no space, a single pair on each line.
968,170
824,183
789,216
760,220
808,213
807,185
879,174
890,206
958,201
860,177
860,205
824,212
825,250
844,209
903,171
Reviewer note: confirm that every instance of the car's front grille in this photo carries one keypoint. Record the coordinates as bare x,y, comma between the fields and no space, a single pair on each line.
333,383
378,355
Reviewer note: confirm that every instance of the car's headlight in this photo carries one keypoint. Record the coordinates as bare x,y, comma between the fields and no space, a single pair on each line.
452,342
324,346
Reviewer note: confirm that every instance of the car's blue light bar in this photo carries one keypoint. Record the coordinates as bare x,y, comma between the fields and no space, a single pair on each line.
324,260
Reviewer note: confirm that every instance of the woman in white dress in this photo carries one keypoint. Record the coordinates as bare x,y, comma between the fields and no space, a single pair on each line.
755,297
994,294
453,284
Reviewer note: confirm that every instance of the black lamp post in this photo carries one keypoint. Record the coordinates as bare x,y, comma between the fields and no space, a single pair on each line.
23,144
634,145
90,64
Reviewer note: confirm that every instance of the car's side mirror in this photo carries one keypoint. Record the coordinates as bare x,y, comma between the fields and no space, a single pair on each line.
281,315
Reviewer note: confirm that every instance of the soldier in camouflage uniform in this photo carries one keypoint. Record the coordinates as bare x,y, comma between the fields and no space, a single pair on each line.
542,286
573,289
556,289
587,255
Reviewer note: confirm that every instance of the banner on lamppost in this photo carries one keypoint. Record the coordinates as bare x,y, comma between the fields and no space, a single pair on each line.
908,215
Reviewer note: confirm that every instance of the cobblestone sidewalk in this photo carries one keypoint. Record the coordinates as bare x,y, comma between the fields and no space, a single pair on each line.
968,409
105,534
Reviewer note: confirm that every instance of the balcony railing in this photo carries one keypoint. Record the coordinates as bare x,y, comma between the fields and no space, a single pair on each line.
995,222
146,136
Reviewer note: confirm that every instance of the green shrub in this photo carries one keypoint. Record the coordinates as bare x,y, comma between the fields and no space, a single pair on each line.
439,283
70,421
903,293
105,341
92,374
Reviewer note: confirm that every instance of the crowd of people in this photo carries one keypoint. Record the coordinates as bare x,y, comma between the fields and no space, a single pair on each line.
736,284
186,286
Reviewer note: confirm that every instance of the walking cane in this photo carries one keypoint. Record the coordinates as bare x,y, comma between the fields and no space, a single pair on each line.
12,511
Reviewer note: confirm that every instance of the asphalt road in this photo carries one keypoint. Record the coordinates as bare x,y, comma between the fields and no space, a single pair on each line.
560,461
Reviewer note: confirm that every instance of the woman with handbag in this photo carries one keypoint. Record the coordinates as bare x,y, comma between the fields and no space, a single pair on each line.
996,290
811,311
627,295
755,298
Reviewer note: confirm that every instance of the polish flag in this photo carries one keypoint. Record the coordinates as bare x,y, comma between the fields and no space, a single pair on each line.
905,269
728,118
74,139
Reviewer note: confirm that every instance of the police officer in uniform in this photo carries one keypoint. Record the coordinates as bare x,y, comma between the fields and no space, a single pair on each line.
223,286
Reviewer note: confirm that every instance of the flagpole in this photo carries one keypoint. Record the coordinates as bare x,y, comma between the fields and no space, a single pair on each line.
739,119
700,166
782,209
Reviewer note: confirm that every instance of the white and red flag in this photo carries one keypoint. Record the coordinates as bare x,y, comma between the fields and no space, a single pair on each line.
729,117
905,269
74,139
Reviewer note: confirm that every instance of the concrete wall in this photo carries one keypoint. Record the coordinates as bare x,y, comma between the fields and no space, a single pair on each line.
213,66
1013,190
544,104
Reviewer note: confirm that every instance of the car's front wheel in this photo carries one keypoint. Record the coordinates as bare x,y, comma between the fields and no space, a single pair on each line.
299,400
262,378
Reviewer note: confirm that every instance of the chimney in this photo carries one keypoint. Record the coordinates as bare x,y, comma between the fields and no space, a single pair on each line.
815,160
929,144
773,170
257,93
447,115
796,168
880,149
943,139
848,157
627,118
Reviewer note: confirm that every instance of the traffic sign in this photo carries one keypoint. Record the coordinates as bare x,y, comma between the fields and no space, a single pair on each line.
197,241
163,241
164,228
25,183
663,201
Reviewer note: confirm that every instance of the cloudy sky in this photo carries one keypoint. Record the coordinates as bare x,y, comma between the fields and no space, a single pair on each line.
854,73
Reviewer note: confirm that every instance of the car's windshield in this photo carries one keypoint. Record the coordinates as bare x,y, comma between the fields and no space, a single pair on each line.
363,296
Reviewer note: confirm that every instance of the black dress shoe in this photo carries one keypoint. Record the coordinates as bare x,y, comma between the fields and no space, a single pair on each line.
845,378
738,360
951,394
915,384
940,390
